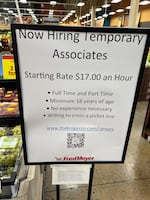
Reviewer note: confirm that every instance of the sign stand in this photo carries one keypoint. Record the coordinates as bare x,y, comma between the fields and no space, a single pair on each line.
57,192
89,185
90,182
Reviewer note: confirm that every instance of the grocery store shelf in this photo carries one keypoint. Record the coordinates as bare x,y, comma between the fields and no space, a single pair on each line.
11,121
6,192
7,81
9,181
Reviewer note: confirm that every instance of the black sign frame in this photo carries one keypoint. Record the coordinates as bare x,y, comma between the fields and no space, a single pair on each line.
15,27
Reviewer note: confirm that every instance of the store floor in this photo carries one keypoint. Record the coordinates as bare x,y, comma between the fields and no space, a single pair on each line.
127,181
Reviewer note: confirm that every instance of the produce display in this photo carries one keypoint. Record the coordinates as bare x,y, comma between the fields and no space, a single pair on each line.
5,41
10,146
10,131
8,103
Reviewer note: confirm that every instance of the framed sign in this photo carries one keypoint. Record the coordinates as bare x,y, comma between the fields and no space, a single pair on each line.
78,90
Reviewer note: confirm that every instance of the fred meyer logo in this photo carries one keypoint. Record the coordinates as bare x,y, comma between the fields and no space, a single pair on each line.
76,158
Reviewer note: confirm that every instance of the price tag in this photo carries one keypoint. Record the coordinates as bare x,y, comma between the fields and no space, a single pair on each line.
1,70
8,67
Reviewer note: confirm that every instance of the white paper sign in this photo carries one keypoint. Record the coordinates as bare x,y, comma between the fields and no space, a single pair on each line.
78,88
70,174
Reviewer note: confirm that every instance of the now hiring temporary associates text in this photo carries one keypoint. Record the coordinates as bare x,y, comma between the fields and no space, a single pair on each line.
77,37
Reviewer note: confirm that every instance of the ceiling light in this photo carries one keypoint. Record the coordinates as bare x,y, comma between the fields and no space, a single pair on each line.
53,3
115,1
29,9
64,19
145,2
99,17
87,15
128,7
23,1
83,17
10,11
98,9
31,12
88,21
105,5
105,15
120,10
14,14
72,11
80,4
69,14
51,12
6,9
112,13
